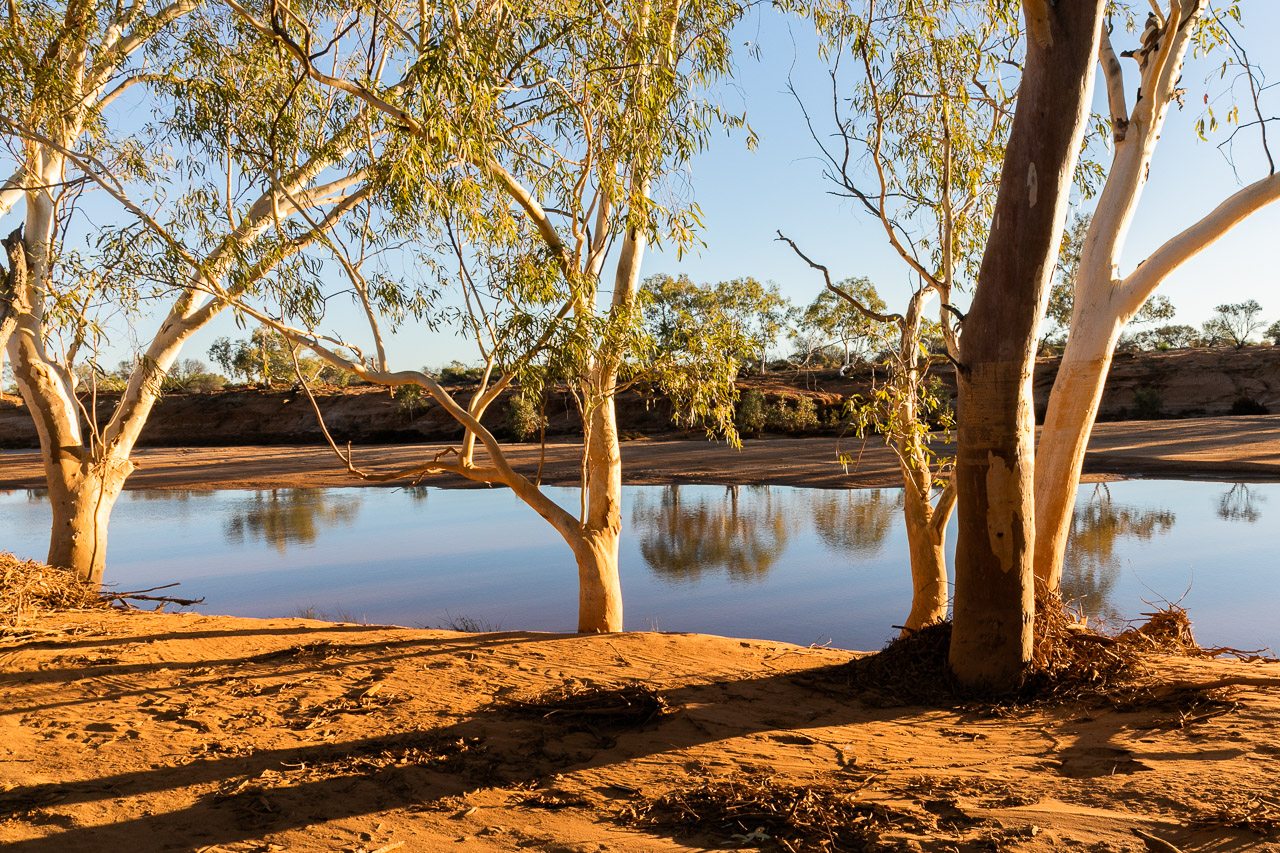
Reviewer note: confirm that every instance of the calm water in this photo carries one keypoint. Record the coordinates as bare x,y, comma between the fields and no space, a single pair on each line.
801,565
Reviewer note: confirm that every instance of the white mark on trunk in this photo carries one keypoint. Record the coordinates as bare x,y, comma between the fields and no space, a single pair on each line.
1003,507
1031,184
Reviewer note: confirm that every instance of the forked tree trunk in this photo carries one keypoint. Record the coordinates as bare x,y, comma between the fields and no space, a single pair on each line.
994,597
81,498
1104,302
926,526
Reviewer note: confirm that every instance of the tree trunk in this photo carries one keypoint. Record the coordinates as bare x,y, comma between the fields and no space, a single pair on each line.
1064,438
81,498
994,596
926,535
927,545
599,587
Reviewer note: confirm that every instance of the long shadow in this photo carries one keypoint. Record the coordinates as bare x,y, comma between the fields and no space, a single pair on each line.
133,639
490,748
239,798
272,664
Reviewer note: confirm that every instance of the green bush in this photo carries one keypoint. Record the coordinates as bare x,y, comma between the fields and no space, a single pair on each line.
751,412
806,414
523,418
777,414
457,372
410,398
1148,404
205,383
782,416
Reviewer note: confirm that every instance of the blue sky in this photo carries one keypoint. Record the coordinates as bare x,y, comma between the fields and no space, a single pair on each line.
746,196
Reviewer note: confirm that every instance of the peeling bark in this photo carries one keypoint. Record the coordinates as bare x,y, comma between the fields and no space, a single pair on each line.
994,603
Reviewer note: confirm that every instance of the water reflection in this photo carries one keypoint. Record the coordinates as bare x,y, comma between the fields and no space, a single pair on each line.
741,535
281,517
855,522
1237,504
1092,564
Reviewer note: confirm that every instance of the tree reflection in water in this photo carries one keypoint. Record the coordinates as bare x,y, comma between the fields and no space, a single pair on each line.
281,517
1092,567
742,535
1237,504
855,522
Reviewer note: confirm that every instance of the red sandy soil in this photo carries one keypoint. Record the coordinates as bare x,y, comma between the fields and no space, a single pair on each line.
153,732
149,732
1245,448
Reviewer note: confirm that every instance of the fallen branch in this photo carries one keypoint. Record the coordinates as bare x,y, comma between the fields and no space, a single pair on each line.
125,597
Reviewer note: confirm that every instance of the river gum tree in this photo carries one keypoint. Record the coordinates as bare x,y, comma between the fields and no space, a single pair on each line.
1106,300
574,115
994,603
195,233
919,129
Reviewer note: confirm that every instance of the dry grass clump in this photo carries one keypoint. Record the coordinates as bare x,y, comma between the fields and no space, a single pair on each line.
753,810
910,670
1068,662
26,585
622,706
1245,811
1071,662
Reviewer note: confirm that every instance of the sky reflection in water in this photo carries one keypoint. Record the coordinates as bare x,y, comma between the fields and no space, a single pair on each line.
802,565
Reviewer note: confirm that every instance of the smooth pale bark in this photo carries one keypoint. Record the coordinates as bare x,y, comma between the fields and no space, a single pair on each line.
994,597
926,543
81,498
926,525
1104,302
596,548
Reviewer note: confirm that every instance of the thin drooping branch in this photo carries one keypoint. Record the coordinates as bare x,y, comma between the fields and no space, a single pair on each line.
502,472
848,297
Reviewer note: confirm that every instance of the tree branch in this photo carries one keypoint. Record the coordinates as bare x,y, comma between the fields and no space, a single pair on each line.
1174,253
1114,76
840,291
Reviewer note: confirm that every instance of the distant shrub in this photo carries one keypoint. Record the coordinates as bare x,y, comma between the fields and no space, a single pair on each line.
410,398
458,372
205,383
1246,405
777,415
781,415
1148,404
806,414
337,376
523,418
751,412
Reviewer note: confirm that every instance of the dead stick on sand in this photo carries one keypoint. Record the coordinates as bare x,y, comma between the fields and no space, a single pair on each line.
1155,845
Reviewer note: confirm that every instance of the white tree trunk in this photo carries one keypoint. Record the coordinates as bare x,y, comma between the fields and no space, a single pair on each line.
1104,302
599,586
926,543
81,498
1064,438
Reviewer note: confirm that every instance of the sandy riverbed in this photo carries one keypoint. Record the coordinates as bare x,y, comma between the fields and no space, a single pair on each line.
1240,448
148,732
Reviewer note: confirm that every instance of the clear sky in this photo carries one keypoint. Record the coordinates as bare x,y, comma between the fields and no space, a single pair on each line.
747,196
